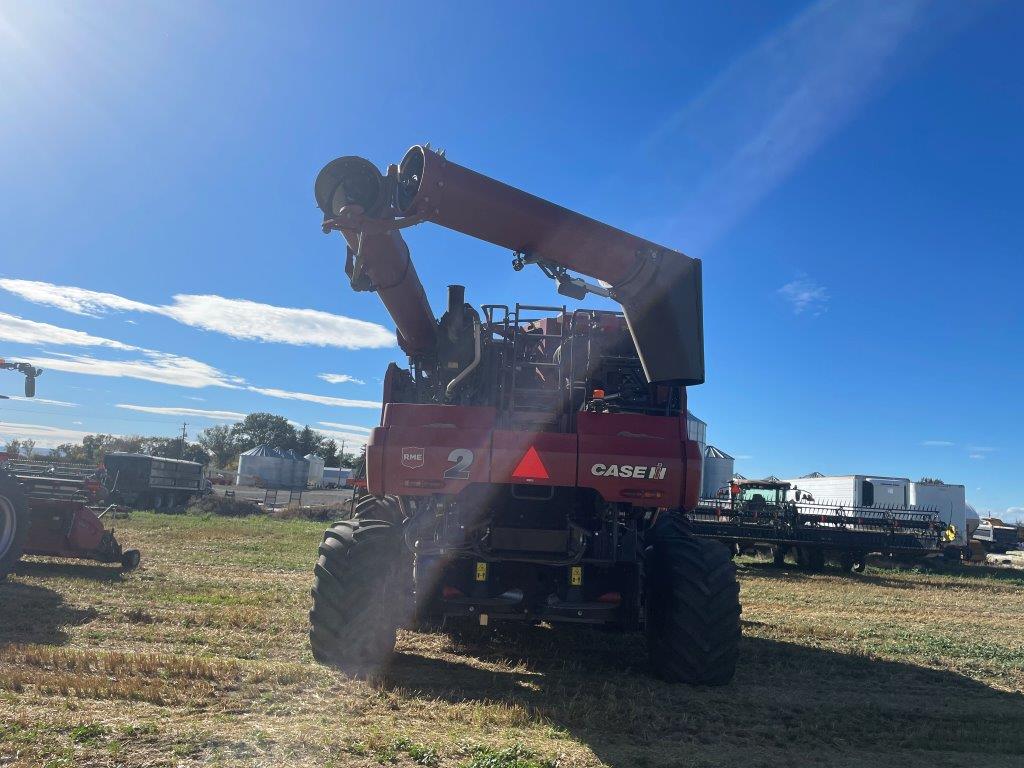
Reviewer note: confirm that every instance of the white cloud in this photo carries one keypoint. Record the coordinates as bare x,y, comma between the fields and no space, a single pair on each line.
79,301
980,448
243,319
976,456
340,378
173,411
804,294
351,439
237,318
44,435
156,366
777,104
938,443
153,366
43,401
197,399
340,402
159,367
21,331
1013,515
336,425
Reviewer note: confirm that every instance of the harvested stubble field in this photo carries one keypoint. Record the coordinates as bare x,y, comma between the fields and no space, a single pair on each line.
200,658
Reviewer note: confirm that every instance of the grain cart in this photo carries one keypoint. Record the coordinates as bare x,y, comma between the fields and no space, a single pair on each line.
532,462
44,510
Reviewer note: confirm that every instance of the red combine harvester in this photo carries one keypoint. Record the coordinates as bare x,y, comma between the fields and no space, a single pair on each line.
532,463
45,508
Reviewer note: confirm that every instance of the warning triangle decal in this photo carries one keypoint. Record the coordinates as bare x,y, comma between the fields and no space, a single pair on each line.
530,466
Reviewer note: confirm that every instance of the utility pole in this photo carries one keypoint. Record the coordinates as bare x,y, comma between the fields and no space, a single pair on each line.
184,436
341,453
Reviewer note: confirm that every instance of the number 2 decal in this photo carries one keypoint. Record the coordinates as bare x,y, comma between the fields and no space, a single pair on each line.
463,459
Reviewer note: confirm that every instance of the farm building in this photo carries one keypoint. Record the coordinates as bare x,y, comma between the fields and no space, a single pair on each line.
272,468
719,470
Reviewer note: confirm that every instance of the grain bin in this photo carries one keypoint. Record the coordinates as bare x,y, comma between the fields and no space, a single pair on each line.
316,470
719,468
295,472
261,465
697,430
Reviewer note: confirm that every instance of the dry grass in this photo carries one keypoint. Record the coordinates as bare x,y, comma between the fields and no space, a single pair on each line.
223,506
320,513
200,658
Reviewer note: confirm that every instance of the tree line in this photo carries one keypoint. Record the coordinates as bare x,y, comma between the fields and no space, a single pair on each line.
225,442
219,445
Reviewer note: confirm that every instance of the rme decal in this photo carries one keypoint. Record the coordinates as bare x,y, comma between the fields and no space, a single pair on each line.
637,471
413,458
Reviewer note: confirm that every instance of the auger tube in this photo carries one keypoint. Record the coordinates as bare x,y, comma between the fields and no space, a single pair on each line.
659,289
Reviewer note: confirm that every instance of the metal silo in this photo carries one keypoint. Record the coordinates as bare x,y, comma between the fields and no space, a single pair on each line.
261,465
316,470
719,469
697,431
295,475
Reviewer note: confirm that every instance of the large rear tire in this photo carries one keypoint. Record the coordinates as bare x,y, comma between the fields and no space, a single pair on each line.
13,523
357,595
693,606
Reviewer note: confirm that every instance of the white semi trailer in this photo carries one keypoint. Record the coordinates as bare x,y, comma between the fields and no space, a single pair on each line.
855,490
881,492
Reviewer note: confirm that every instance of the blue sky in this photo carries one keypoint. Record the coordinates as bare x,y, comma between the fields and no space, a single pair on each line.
848,172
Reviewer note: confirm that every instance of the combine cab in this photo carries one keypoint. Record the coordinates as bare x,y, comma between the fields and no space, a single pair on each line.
532,463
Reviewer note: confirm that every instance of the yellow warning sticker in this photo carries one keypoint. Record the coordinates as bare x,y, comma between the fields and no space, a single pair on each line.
481,571
576,575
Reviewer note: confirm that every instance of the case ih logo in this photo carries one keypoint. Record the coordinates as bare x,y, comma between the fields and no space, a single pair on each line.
637,471
412,458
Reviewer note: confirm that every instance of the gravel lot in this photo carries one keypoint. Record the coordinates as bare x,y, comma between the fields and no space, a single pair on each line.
309,498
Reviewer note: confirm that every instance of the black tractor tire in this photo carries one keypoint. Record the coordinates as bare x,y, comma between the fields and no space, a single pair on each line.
692,606
388,508
130,560
13,523
358,596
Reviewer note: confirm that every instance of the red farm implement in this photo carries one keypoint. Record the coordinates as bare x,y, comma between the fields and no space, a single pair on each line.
53,509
